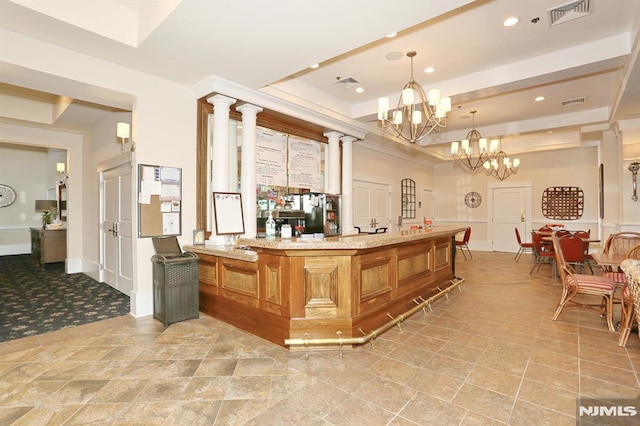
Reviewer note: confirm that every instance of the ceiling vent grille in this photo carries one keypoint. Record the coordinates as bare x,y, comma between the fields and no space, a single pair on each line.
569,11
346,82
575,101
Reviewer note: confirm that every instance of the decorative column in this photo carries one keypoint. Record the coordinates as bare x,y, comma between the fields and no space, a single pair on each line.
220,180
248,171
333,169
233,156
347,185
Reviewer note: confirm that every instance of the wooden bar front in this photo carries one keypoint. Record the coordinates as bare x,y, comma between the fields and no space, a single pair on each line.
284,289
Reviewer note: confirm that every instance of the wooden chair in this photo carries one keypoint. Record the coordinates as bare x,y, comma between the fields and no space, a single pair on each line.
581,284
629,311
542,254
465,243
523,247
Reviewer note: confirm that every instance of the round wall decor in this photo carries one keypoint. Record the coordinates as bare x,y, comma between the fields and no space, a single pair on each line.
7,195
473,199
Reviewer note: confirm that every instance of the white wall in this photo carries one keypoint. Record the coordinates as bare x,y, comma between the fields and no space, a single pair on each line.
379,166
164,128
25,170
566,167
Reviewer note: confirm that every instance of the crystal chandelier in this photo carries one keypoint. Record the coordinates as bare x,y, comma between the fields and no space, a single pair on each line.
417,114
473,152
500,166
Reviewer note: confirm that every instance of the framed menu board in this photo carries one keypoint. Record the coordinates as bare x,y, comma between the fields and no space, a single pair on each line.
227,209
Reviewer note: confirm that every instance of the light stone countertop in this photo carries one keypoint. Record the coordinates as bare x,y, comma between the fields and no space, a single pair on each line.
356,241
242,249
230,252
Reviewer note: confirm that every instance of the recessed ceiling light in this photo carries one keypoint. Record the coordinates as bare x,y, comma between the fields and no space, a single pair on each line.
509,22
359,90
392,35
539,98
314,66
429,70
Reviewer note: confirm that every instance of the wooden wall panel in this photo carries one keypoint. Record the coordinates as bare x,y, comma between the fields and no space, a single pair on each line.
442,255
239,281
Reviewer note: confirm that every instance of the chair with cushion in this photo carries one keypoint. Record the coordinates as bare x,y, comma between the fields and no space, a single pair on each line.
542,253
465,243
626,304
581,284
619,243
523,247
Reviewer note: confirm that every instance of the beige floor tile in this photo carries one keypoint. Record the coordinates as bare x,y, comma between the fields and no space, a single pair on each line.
490,355
386,394
483,401
553,376
548,396
494,380
425,410
527,414
435,384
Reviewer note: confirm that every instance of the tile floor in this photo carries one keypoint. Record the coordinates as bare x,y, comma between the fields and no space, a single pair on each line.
488,355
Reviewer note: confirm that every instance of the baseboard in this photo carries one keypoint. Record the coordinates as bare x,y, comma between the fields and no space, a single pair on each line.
14,249
141,304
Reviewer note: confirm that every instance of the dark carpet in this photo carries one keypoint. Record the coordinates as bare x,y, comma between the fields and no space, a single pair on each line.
36,300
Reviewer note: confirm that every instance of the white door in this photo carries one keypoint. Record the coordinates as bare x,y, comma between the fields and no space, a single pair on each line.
117,229
371,205
509,211
427,204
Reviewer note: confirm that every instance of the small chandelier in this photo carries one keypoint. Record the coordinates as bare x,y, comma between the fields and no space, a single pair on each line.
417,114
500,166
473,152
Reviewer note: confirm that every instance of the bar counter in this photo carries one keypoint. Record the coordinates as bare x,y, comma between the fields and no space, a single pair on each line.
339,287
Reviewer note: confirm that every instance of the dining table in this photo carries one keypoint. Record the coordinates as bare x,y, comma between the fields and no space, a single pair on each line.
608,260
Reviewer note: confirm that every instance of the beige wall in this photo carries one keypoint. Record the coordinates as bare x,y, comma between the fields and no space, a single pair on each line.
25,170
373,165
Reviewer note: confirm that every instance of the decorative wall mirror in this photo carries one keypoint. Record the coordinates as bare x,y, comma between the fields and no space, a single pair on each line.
408,187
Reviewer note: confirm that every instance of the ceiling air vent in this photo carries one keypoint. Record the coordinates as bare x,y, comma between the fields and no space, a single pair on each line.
346,82
575,101
569,11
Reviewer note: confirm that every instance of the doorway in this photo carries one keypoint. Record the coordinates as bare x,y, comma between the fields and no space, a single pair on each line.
371,205
509,206
116,228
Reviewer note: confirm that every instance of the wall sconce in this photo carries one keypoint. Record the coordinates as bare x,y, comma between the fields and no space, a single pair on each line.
60,168
633,168
122,131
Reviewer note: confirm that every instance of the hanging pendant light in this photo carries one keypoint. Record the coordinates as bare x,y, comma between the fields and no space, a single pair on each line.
417,114
500,166
473,152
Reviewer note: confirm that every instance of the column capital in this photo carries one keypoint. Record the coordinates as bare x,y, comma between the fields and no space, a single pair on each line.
348,139
332,135
249,108
221,100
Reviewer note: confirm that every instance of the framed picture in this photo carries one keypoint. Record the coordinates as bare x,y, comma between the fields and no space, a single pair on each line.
198,237
227,208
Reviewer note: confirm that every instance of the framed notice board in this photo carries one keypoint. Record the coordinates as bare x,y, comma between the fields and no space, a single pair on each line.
227,208
159,200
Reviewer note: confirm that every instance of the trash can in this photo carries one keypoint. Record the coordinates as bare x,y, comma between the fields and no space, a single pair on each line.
175,282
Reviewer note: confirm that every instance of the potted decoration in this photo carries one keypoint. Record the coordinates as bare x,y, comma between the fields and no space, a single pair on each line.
49,216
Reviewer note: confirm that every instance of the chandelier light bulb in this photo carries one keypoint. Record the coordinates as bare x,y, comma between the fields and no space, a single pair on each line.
417,114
